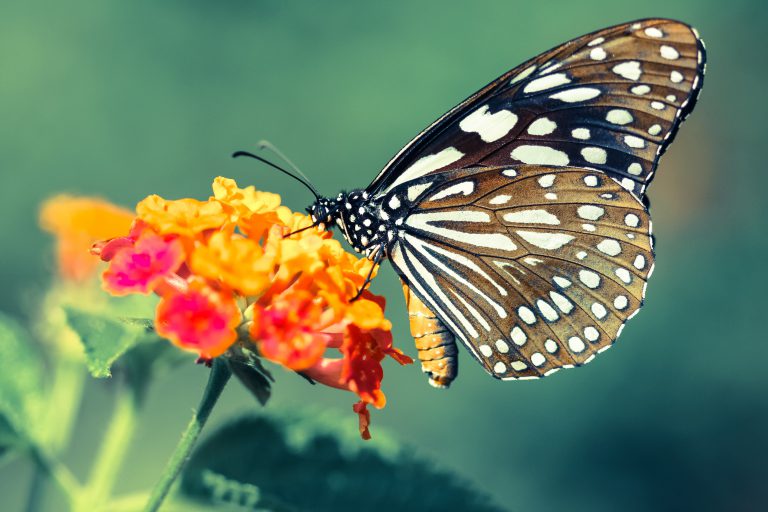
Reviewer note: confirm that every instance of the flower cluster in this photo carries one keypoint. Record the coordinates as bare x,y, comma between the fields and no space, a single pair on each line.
240,267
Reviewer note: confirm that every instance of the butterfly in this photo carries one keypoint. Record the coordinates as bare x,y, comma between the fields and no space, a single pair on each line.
518,221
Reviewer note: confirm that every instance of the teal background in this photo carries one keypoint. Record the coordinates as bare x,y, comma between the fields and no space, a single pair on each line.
124,99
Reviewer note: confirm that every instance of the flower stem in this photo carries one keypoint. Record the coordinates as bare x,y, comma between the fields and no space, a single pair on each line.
59,473
113,449
220,374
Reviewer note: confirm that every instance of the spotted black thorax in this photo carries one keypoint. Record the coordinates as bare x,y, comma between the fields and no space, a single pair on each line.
358,218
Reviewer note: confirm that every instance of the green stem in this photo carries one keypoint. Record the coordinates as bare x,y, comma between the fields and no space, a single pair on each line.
113,449
35,489
59,473
217,380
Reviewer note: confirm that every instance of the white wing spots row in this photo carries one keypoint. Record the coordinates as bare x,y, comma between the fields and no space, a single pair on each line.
549,294
612,105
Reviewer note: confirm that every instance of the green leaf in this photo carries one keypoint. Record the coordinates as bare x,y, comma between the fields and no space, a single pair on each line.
22,390
247,367
293,463
104,338
129,344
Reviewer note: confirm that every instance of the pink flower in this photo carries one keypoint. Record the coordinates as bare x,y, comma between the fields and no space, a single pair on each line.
141,267
199,319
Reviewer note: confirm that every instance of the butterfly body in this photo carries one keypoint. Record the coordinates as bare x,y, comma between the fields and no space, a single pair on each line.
518,221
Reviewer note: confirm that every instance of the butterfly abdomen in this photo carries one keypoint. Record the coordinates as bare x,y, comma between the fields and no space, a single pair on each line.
436,345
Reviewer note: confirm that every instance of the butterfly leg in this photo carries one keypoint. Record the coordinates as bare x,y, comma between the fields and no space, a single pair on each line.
377,257
435,343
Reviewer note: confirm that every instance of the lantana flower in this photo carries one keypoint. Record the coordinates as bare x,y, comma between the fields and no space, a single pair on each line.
239,265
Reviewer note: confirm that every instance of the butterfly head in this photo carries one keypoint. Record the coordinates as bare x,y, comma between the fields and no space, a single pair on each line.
324,210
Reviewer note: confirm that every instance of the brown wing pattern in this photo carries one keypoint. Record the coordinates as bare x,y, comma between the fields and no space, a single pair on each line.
534,268
611,100
436,345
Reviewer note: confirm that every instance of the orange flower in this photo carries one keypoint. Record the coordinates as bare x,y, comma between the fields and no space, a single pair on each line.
253,211
199,319
243,255
236,261
78,222
185,217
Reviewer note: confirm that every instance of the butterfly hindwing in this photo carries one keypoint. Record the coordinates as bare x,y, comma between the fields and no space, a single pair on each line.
533,268
610,100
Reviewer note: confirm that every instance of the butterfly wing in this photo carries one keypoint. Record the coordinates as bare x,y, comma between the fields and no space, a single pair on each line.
533,268
611,100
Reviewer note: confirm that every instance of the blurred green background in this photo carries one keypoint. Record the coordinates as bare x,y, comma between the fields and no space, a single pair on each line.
124,99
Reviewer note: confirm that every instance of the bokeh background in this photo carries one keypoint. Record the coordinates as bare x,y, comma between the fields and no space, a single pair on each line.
124,99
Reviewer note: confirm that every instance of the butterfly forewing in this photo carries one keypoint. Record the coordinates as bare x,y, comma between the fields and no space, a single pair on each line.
533,267
610,100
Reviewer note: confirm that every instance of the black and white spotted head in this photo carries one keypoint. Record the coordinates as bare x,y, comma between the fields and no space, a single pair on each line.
355,215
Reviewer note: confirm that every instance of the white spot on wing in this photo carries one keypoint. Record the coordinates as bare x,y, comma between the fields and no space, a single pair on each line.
634,142
542,155
531,217
523,74
526,315
547,311
594,155
547,180
668,52
590,211
423,221
464,188
589,278
597,54
610,247
546,82
580,133
414,191
542,126
561,302
577,94
518,336
490,127
548,241
500,199
428,164
654,32
629,70
619,116
576,344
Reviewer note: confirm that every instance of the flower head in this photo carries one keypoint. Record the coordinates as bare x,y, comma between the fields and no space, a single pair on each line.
144,265
240,267
78,222
199,318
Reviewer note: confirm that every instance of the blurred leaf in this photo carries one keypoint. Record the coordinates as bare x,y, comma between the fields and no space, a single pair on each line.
246,365
21,386
129,343
306,464
104,338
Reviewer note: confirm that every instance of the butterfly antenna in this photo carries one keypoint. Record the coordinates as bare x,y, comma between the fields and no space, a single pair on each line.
301,179
265,144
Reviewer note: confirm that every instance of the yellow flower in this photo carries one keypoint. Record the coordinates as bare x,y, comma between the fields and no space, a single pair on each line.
234,260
